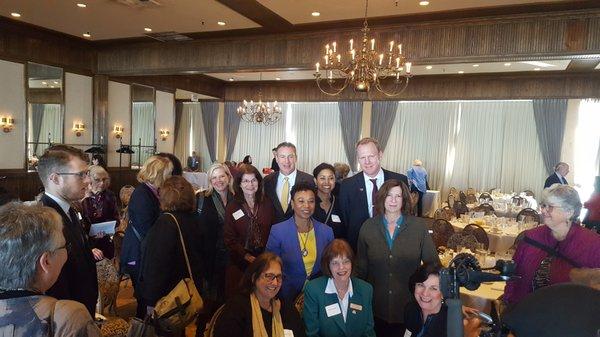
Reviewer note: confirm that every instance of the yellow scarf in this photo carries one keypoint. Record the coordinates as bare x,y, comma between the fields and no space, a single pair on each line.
258,326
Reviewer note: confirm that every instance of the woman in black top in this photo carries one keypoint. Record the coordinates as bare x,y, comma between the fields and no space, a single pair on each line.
256,306
327,208
425,315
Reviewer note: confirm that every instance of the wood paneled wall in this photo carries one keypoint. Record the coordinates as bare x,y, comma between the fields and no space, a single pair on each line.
446,87
26,185
512,37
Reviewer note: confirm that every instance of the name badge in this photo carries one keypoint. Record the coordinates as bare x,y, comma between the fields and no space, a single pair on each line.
335,218
355,306
238,214
333,309
288,333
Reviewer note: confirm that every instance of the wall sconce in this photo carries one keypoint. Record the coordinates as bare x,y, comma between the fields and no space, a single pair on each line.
7,123
118,131
78,128
164,133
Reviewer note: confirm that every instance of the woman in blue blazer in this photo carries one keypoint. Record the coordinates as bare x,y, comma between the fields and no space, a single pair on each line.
299,241
336,304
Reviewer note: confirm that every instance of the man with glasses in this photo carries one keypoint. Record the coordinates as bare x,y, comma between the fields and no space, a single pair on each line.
64,173
278,185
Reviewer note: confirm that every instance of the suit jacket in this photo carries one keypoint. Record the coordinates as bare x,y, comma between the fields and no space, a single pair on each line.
554,179
78,280
270,188
143,210
283,241
359,323
353,202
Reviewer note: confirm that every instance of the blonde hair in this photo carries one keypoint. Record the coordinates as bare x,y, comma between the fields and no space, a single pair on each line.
211,171
155,171
368,140
97,169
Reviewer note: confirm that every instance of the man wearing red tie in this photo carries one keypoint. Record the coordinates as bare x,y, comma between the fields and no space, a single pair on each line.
558,177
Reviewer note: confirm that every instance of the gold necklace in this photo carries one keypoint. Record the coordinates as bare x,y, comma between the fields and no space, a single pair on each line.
304,240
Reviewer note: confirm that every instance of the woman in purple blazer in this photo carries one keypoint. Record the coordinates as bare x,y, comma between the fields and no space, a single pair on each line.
300,242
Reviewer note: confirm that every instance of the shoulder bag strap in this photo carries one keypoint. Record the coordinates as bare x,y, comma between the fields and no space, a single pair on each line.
187,261
550,251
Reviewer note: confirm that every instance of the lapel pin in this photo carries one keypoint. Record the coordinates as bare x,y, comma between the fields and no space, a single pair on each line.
354,312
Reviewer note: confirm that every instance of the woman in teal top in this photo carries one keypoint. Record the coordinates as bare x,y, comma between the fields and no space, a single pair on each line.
336,304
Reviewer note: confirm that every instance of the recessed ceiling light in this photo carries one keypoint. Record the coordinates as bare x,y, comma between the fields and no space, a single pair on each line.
44,83
476,65
423,3
221,23
148,29
428,67
55,82
51,86
461,72
536,69
315,13
87,34
81,5
231,79
277,79
507,64
15,15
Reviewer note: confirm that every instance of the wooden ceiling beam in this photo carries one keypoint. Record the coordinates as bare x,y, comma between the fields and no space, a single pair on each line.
199,84
258,13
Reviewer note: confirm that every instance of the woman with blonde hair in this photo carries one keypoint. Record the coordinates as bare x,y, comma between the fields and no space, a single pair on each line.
143,210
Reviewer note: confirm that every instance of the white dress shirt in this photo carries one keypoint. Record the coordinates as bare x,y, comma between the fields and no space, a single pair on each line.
344,302
369,188
291,182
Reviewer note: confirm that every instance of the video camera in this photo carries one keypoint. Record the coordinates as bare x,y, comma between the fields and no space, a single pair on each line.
464,271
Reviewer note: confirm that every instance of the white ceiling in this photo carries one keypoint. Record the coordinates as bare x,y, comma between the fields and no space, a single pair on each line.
299,11
112,19
467,68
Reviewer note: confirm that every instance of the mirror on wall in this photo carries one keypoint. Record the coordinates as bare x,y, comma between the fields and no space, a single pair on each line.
142,124
45,109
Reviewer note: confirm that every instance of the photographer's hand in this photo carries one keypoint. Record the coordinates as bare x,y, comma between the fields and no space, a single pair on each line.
472,327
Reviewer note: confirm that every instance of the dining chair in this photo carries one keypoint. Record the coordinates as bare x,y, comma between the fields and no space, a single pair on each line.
479,233
529,215
441,232
486,208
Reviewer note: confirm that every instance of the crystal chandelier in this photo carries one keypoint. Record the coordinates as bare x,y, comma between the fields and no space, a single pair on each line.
259,112
388,71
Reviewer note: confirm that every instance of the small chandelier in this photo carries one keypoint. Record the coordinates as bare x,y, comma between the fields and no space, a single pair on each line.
365,68
259,112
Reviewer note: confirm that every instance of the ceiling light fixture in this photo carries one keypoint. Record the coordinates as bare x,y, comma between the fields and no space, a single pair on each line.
221,23
15,15
259,112
277,79
461,72
231,79
476,65
507,64
87,34
44,83
423,3
81,5
428,67
315,14
536,69
365,67
148,29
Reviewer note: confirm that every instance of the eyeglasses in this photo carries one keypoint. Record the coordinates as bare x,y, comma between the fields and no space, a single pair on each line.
80,175
550,208
271,277
66,246
245,182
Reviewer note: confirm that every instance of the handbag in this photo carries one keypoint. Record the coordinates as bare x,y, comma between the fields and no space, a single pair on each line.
139,328
181,305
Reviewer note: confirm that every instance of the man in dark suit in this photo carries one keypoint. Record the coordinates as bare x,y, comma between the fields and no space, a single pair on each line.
193,162
64,173
357,193
558,177
278,185
274,165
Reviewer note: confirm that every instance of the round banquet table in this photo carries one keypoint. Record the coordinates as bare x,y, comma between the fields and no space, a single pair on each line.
500,240
481,298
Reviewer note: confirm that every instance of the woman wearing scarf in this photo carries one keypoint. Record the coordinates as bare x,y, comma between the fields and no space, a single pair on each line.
255,311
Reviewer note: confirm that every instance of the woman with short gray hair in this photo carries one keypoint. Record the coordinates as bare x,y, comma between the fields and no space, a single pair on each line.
547,253
34,251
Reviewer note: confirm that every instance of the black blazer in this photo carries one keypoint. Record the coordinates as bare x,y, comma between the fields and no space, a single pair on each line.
270,188
78,280
143,210
163,262
554,179
353,202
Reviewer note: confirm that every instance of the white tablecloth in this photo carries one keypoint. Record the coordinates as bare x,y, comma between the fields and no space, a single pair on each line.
500,241
431,202
198,179
482,298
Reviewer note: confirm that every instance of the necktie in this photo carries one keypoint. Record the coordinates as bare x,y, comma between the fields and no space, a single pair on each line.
285,191
373,195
